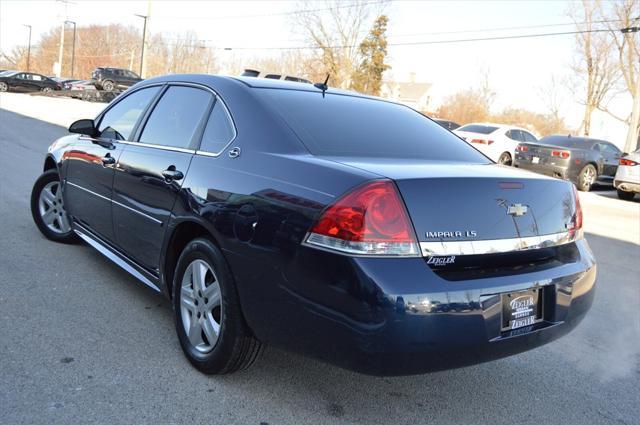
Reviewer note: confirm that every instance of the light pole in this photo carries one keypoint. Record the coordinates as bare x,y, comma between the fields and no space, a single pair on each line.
73,47
28,48
144,36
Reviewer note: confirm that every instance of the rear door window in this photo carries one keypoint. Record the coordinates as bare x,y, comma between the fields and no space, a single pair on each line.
118,122
515,135
177,117
345,125
528,137
219,131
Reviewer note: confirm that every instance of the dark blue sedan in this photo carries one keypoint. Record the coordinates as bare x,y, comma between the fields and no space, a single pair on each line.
340,226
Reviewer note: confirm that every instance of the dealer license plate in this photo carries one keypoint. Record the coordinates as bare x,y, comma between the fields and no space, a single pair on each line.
520,309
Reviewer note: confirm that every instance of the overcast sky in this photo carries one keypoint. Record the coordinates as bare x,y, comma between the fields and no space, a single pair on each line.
517,67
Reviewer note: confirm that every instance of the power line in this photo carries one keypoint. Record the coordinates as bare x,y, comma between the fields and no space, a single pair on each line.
427,42
262,15
508,28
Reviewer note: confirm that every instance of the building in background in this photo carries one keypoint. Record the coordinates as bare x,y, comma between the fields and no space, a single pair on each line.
411,93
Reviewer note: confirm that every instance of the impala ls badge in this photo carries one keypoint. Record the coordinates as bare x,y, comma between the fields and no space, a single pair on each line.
517,210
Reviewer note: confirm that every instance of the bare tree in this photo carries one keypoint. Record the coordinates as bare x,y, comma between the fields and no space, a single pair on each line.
619,15
594,65
336,30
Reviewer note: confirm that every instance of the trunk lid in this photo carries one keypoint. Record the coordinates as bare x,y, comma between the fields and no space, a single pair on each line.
473,202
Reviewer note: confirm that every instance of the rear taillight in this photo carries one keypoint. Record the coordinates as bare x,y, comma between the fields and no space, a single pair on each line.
522,148
369,220
575,227
482,141
561,154
628,162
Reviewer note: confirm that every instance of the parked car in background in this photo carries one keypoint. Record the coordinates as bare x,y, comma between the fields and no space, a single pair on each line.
27,82
497,141
449,125
344,227
627,178
582,160
64,81
110,79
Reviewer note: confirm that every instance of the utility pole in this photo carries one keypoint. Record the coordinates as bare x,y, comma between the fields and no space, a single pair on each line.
28,48
143,59
59,70
144,36
73,48
631,144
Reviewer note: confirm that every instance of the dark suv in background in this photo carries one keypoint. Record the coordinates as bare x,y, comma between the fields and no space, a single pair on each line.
110,79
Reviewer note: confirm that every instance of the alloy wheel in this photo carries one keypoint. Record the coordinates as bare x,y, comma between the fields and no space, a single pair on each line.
46,90
4,86
589,176
201,306
51,208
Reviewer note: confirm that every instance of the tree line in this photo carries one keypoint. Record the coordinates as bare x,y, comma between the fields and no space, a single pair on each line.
350,45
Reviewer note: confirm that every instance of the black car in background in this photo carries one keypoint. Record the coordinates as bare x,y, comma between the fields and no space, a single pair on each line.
27,82
110,79
449,125
582,160
320,221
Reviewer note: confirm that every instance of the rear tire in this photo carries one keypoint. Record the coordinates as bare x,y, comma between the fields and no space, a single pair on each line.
625,196
108,85
4,86
586,178
47,209
505,159
209,321
46,90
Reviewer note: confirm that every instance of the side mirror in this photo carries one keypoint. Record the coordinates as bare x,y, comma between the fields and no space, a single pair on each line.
86,127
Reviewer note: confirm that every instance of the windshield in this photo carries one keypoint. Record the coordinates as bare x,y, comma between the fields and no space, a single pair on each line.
342,125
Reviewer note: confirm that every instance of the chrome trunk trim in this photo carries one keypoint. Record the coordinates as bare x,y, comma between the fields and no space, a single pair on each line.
497,246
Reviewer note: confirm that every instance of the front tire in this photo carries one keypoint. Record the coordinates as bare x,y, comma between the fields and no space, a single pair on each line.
209,322
625,196
586,178
48,211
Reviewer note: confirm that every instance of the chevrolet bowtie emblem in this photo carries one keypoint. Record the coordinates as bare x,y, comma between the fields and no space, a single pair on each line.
517,210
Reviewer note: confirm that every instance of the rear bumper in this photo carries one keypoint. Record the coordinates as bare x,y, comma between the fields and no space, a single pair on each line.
627,186
399,317
546,169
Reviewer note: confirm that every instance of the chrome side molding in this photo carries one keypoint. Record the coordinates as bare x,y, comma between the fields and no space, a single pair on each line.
497,246
115,258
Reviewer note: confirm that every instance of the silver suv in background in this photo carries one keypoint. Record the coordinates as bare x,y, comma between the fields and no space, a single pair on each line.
627,179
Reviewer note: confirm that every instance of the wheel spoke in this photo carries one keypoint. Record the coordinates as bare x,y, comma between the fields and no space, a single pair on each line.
212,294
199,273
48,197
187,299
211,329
195,332
63,223
49,217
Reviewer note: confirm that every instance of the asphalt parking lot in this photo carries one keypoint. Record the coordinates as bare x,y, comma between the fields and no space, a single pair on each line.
82,342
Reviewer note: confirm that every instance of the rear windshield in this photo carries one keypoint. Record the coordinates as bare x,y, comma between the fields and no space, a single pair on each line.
477,128
340,125
568,142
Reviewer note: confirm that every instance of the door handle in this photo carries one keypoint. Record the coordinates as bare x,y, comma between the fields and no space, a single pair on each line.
108,160
171,174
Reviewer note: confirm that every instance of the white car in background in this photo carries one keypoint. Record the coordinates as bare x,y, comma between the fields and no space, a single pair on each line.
627,179
497,141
